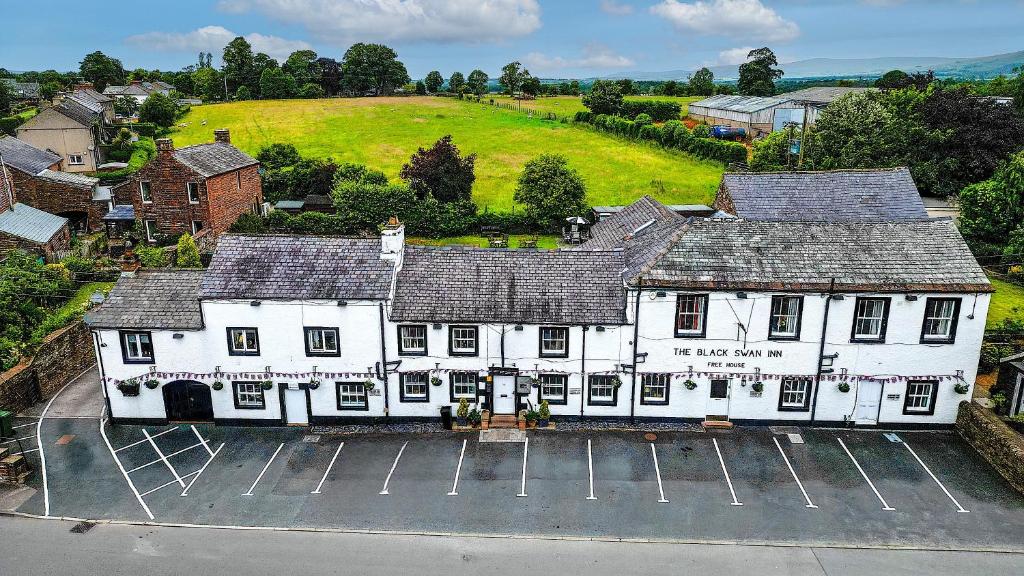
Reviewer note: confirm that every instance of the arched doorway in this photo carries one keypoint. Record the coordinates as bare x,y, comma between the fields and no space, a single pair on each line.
187,400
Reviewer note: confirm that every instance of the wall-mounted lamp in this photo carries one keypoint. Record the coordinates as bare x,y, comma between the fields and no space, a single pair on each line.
519,328
255,303
911,297
342,303
838,297
661,293
178,336
600,328
741,295
437,326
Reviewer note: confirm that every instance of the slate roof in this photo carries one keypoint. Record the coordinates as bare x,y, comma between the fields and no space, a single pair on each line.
213,158
24,156
30,223
79,180
151,299
93,95
86,101
467,284
22,90
78,112
129,90
120,212
742,104
280,267
838,196
821,94
611,232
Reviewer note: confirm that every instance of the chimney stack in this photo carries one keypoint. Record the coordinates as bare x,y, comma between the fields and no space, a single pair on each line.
222,135
83,86
392,242
136,82
164,146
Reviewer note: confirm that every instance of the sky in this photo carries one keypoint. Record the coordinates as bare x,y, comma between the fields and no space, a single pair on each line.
552,38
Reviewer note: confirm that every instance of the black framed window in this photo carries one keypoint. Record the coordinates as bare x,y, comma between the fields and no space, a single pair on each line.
412,340
197,225
414,387
602,390
462,340
654,389
352,396
554,342
940,319
870,319
691,315
249,395
137,347
785,319
920,397
553,388
795,395
193,192
243,342
719,389
463,385
321,341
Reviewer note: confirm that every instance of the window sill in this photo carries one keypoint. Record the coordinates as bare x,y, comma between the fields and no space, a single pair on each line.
414,400
233,353
611,404
944,341
323,354
653,402
794,408
353,408
140,361
690,335
866,341
404,353
472,354
546,355
784,338
554,402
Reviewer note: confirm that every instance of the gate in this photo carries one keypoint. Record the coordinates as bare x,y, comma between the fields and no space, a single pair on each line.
187,400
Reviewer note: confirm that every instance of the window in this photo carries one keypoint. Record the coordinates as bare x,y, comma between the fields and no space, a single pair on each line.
655,388
463,386
553,388
921,397
150,230
243,342
249,395
322,342
197,225
940,316
238,176
75,159
462,340
719,389
412,340
193,192
785,321
795,395
869,320
554,342
137,347
146,190
415,387
603,391
691,315
352,396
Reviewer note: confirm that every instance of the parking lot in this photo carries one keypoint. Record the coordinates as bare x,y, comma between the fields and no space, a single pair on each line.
749,484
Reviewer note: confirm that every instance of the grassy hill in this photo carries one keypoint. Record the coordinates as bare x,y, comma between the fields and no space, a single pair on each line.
384,132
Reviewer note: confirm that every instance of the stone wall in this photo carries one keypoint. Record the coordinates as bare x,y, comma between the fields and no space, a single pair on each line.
61,357
62,199
1001,446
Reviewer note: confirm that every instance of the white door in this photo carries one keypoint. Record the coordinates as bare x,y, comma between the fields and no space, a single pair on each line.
869,400
504,394
295,407
718,400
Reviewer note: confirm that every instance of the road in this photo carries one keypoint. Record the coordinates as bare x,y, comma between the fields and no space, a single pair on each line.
40,547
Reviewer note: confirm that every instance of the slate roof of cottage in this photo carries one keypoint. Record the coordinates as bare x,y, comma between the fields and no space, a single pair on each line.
467,284
213,158
69,178
837,196
24,156
86,101
93,95
283,267
77,112
612,231
31,223
151,299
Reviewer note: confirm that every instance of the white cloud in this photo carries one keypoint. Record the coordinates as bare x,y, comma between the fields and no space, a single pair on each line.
734,55
736,18
340,22
214,39
616,9
594,57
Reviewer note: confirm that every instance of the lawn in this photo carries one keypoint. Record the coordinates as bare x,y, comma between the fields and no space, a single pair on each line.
1007,302
545,242
570,105
383,132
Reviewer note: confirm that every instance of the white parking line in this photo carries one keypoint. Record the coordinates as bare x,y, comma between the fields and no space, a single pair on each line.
590,466
793,472
162,486
201,470
264,471
735,502
328,471
885,506
164,458
201,441
522,486
133,444
384,490
26,451
33,423
171,455
458,470
657,471
959,508
120,467
17,439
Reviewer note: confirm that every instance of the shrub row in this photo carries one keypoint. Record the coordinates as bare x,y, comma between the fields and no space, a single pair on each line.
9,124
659,110
672,134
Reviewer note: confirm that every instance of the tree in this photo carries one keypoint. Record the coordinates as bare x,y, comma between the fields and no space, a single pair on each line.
512,76
772,153
330,75
50,89
550,190
421,88
573,88
456,83
101,70
311,90
440,172
757,75
5,100
433,81
243,93
208,84
604,98
278,155
158,109
275,83
188,253
892,80
126,106
239,65
992,210
302,66
626,87
868,130
531,86
702,83
669,88
1017,90
477,82
372,68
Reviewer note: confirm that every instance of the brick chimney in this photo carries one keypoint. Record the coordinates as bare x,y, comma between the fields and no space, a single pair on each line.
164,146
83,86
136,82
222,135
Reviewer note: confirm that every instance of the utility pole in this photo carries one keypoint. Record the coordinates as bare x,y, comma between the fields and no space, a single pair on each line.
803,140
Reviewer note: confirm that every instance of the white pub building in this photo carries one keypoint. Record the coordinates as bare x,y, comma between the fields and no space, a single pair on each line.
824,298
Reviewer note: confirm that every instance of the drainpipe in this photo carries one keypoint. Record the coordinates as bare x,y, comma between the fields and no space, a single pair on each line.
583,371
636,337
821,350
103,373
503,346
384,363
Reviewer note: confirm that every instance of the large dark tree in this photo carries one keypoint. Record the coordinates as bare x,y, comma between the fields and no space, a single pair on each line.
626,86
240,66
993,210
477,82
275,83
512,77
372,68
433,81
604,97
302,66
158,109
101,70
440,172
702,83
758,75
456,83
330,75
550,190
532,86
891,80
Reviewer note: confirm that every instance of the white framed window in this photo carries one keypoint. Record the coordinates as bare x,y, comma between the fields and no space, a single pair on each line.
150,227
603,391
197,225
192,188
76,159
795,394
940,316
920,398
322,342
243,342
137,347
691,315
463,385
352,396
869,320
462,340
553,387
554,342
785,319
412,340
249,395
415,387
146,191
655,388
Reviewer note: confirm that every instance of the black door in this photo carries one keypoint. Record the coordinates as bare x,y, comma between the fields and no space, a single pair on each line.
188,401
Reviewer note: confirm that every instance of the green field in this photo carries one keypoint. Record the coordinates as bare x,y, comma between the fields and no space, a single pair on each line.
1007,302
383,132
570,105
544,242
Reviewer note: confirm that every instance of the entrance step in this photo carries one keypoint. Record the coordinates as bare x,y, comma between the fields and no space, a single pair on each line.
503,421
719,424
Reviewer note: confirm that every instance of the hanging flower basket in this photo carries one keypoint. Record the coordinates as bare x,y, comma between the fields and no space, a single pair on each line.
757,387
152,383
844,387
690,385
313,384
617,382
267,385
435,381
369,385
129,387
218,385
535,383
961,388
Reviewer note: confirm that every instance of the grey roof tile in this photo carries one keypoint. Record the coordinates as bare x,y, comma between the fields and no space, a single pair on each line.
72,179
122,212
25,157
30,223
613,230
152,299
213,158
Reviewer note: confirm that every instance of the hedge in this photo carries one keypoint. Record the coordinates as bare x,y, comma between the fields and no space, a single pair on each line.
145,129
659,110
673,134
9,124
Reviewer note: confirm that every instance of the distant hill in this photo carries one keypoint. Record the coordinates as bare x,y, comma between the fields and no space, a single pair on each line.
983,67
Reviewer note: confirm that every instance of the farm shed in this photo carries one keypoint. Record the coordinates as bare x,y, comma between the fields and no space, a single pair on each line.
810,101
753,113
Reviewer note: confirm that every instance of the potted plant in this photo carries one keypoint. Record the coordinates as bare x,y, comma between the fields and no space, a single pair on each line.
435,381
218,385
844,387
521,419
152,383
462,413
617,382
129,387
267,385
474,417
961,388
534,383
757,386
313,384
544,414
531,418
485,419
369,385
690,385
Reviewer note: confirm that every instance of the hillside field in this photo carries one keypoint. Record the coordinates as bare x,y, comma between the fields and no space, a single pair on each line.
383,132
570,105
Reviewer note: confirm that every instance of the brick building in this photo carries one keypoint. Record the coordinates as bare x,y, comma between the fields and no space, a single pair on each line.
26,228
201,187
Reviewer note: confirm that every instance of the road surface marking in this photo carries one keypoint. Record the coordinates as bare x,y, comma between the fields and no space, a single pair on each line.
171,455
793,472
17,439
959,508
522,486
657,471
165,485
885,506
164,458
143,441
201,470
735,502
458,470
24,425
39,442
384,490
201,441
328,471
120,466
27,451
264,471
590,466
